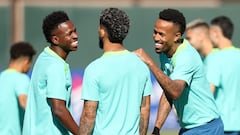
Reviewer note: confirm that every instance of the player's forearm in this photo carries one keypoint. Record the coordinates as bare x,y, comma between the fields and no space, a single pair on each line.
164,108
212,87
88,117
67,120
22,99
61,112
145,113
166,83
86,125
144,120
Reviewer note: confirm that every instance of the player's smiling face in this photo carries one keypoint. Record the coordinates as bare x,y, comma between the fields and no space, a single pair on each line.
165,34
67,37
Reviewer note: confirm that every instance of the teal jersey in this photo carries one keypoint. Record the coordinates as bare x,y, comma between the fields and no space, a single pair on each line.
225,76
12,84
165,63
208,60
118,81
196,105
50,78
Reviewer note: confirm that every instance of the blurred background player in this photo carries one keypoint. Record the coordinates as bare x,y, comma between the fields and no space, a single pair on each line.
48,110
197,33
14,83
224,74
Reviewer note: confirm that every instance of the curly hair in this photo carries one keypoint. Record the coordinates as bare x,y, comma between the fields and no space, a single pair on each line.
174,16
21,49
225,25
116,23
51,22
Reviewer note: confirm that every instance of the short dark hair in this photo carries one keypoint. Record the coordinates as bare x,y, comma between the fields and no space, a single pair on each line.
21,49
116,23
51,22
225,25
174,16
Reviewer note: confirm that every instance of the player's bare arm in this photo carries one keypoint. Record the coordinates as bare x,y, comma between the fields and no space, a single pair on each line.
22,99
212,87
164,108
144,118
173,87
59,109
88,116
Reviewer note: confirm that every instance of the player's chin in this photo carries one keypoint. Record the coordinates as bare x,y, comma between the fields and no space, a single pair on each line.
74,48
157,50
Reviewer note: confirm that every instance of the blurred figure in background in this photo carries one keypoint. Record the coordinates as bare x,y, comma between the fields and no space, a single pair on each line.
224,74
48,110
197,33
182,79
14,83
117,86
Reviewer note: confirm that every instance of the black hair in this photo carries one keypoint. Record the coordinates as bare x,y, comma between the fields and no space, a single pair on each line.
116,22
225,25
174,16
51,22
21,49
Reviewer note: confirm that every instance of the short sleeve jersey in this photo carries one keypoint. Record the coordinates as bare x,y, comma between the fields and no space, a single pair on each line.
50,78
209,60
13,84
118,81
196,105
224,74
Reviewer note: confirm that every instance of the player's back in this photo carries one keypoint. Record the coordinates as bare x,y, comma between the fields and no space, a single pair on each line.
122,80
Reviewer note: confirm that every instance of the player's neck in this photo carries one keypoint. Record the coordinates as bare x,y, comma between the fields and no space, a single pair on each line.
113,47
225,44
16,66
207,48
59,51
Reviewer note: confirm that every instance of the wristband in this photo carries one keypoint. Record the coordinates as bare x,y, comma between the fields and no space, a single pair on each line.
155,131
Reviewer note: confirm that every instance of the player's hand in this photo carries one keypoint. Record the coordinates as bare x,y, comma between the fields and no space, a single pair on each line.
143,55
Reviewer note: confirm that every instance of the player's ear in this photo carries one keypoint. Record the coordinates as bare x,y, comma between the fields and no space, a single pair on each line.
102,31
177,37
55,40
